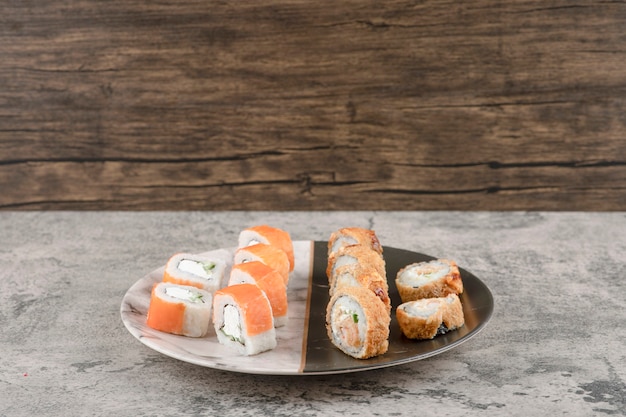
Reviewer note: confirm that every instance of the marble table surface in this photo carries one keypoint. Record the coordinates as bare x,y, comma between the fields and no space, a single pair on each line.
556,342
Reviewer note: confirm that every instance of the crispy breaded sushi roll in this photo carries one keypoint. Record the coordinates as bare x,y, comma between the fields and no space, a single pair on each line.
270,236
453,316
269,281
361,275
197,271
179,309
420,319
348,236
428,317
242,317
354,254
436,278
270,255
357,322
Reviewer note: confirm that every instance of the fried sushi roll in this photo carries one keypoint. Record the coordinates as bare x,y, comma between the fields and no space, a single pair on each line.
354,254
357,322
269,281
270,236
270,255
179,309
242,318
348,236
431,279
452,315
428,317
362,275
197,271
420,319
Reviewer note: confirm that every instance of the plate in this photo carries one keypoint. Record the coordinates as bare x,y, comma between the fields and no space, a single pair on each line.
303,345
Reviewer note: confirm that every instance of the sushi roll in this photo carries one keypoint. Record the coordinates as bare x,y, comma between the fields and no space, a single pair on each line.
354,254
453,316
357,322
428,317
197,271
269,281
242,318
348,236
362,275
436,278
270,236
179,309
420,319
270,255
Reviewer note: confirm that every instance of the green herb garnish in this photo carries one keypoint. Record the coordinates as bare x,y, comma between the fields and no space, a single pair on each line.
231,337
209,267
196,298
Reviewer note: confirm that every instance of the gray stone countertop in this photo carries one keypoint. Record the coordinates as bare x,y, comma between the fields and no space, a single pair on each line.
556,342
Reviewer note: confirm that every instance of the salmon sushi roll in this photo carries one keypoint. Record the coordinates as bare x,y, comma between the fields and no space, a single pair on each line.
355,254
429,317
179,309
242,318
357,322
269,281
430,279
348,236
197,271
270,236
270,255
359,275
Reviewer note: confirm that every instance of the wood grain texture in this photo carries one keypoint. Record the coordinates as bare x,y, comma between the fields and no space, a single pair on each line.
297,105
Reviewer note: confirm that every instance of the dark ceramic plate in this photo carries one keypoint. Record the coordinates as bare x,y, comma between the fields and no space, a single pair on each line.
303,345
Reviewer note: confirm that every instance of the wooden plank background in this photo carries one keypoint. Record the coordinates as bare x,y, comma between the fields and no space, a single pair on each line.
325,105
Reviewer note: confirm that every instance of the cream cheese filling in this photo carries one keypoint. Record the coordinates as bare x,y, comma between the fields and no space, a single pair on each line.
424,273
232,323
200,269
184,294
422,308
